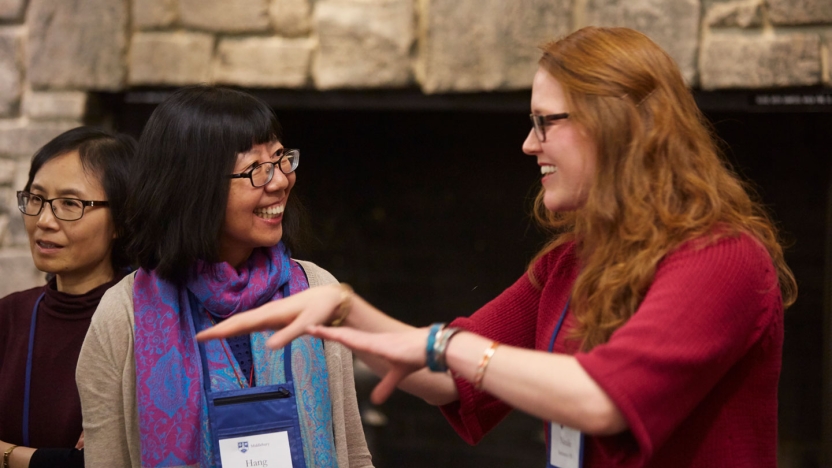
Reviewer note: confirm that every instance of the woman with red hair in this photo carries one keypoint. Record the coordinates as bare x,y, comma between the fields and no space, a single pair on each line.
649,331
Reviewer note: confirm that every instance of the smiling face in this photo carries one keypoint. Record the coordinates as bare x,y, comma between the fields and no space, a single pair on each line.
254,215
77,252
567,158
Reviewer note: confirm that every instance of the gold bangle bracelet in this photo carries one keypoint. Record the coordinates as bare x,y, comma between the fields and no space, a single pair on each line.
344,307
486,358
7,454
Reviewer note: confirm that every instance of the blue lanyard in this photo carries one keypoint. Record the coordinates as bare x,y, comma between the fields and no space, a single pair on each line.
28,385
557,327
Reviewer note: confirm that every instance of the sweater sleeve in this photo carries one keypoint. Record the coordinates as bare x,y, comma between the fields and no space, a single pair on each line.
105,359
704,310
350,442
508,319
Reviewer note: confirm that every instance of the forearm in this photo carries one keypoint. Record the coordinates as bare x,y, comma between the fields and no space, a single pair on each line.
553,387
20,457
435,388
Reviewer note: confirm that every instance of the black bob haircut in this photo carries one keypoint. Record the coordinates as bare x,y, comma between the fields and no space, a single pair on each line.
180,184
106,156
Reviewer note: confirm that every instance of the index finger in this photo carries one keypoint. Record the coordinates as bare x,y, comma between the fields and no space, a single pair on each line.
245,322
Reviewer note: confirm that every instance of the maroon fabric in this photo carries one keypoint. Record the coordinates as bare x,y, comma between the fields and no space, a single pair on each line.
694,371
62,323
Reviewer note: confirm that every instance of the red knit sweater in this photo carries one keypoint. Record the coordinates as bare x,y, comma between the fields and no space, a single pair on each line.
694,371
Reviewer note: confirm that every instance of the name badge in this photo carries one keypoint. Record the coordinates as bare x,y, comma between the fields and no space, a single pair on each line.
565,447
263,450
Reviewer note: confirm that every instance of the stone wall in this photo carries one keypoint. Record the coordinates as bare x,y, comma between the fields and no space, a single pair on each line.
54,52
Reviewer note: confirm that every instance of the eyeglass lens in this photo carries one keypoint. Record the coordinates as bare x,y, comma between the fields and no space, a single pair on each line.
67,209
263,174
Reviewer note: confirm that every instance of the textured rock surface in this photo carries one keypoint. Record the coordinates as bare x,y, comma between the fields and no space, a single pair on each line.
363,44
225,15
164,58
18,271
731,61
21,139
291,17
12,10
800,11
673,25
77,44
11,70
264,62
55,105
148,14
743,13
478,45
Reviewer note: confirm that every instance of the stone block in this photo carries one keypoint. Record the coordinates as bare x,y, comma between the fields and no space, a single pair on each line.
485,45
150,14
18,271
273,62
743,61
794,12
743,14
11,70
170,58
55,104
826,37
363,44
77,44
672,25
234,16
7,167
12,10
291,18
18,137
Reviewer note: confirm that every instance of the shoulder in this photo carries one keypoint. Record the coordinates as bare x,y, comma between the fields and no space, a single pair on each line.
16,299
115,311
317,276
737,253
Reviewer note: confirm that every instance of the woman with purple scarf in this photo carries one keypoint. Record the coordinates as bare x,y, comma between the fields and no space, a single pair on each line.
154,397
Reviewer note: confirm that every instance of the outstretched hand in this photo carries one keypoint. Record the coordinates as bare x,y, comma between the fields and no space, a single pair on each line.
290,317
403,351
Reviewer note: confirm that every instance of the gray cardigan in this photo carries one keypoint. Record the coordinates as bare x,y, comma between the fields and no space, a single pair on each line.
106,378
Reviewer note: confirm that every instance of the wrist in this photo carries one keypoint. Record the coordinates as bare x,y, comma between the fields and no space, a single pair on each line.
344,305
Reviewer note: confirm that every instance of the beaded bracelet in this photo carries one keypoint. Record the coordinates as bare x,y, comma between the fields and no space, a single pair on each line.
7,454
430,349
486,358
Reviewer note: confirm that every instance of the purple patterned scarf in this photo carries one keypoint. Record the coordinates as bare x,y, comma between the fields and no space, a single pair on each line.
173,417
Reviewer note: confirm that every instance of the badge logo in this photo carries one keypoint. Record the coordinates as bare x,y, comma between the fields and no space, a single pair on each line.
242,446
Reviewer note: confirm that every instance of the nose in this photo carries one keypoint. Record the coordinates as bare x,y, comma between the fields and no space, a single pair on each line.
532,144
46,218
279,181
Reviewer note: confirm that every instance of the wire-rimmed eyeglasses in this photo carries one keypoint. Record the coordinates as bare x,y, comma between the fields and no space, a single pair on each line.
263,173
66,209
539,123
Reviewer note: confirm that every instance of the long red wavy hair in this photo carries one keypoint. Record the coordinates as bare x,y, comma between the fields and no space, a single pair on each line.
661,179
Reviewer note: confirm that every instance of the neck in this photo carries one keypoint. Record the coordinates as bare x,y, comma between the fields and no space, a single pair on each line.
235,257
82,284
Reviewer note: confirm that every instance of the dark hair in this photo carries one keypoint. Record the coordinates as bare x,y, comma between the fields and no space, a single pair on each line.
108,157
180,185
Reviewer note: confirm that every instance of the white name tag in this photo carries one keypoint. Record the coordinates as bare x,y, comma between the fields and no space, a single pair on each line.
263,450
565,446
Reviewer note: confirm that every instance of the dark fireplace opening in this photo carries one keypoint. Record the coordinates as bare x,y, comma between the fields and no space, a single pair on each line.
422,204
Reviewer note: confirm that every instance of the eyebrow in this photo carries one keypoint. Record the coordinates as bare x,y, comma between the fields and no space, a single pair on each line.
61,193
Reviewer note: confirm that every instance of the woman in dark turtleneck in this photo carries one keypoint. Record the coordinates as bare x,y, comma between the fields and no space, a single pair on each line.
71,208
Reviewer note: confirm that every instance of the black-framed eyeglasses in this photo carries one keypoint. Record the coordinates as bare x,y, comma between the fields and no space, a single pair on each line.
263,173
539,123
66,209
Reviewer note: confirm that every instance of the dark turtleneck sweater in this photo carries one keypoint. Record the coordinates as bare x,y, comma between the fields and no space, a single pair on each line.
54,405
